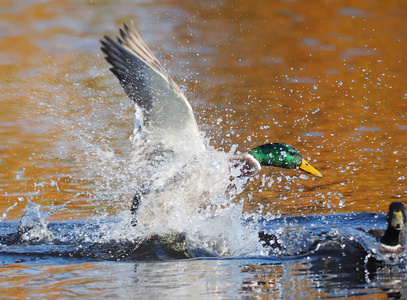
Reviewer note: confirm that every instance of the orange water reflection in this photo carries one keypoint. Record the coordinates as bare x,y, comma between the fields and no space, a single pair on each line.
325,76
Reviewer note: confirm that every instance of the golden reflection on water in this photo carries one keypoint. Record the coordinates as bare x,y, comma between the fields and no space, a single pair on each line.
28,281
325,76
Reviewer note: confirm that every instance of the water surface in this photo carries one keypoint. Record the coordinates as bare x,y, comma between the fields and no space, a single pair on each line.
327,77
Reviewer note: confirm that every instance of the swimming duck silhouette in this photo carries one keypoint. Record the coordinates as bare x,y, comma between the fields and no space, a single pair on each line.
167,116
393,238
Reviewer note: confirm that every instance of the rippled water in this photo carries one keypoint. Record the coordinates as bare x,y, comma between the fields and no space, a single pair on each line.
327,77
319,256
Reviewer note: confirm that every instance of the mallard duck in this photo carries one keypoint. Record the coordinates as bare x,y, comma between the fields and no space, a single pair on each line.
167,115
393,238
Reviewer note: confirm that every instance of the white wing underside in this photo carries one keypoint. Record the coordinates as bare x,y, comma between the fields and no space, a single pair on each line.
167,116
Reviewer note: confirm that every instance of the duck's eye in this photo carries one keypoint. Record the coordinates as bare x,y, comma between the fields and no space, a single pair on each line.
291,152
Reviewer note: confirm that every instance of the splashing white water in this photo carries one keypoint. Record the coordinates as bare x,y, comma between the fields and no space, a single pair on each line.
188,190
183,191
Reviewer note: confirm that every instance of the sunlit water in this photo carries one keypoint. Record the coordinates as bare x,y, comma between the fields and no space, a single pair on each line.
326,77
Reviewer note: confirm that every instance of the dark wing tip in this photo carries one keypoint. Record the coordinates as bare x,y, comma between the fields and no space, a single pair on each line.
125,26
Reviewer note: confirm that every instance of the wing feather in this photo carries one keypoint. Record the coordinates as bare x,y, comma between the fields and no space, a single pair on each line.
166,111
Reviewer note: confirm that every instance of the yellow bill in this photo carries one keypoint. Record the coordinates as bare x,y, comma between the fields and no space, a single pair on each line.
310,169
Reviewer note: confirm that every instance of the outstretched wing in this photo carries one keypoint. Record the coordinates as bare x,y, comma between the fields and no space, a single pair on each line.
166,112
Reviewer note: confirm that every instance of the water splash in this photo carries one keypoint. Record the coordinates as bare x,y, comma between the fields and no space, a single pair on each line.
188,192
33,224
183,191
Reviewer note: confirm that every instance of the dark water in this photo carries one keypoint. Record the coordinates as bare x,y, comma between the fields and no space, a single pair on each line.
280,237
328,256
325,76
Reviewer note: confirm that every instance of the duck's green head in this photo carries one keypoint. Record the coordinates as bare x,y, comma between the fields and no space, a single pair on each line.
283,156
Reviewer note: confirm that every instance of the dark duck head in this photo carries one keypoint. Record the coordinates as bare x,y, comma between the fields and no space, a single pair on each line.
396,219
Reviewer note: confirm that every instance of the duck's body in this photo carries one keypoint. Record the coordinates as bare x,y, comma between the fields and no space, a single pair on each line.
168,119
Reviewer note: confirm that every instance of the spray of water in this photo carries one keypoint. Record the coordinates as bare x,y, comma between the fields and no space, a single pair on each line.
188,190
